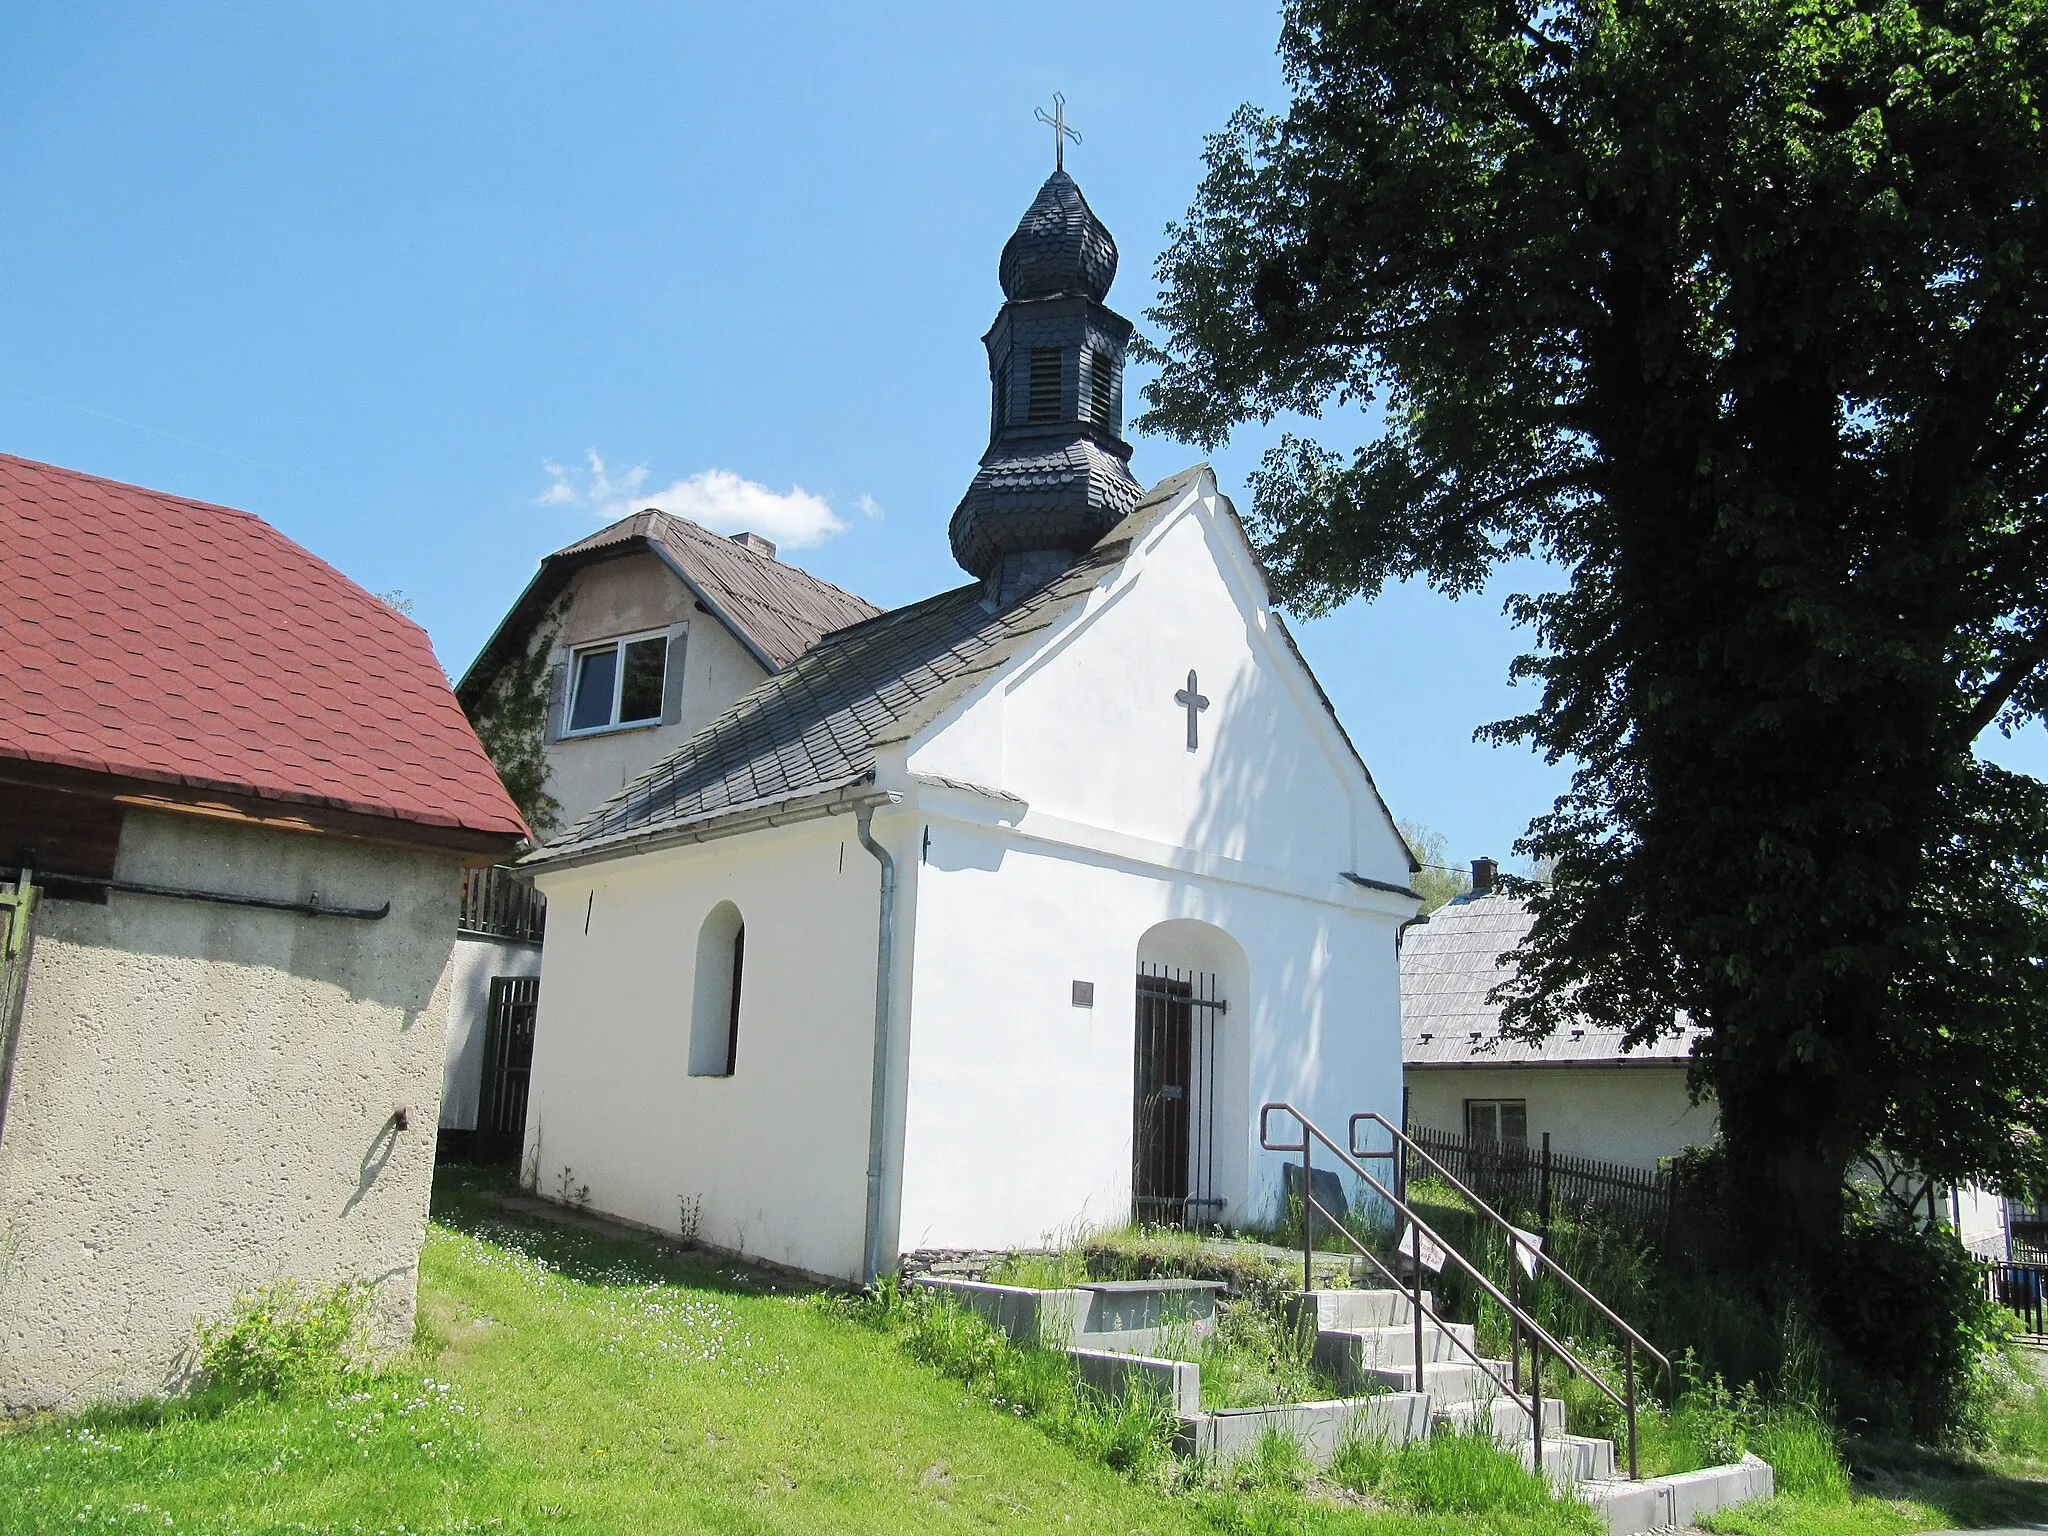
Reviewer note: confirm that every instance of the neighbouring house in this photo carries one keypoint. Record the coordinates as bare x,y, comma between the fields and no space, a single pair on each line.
636,638
1591,1095
236,799
999,914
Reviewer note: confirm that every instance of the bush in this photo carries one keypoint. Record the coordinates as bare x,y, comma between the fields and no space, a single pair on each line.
286,1340
1913,1327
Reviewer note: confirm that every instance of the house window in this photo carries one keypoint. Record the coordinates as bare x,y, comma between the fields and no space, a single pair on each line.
1045,383
617,683
715,1000
1497,1120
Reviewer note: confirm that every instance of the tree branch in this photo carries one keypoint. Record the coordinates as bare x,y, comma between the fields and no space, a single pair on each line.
2005,685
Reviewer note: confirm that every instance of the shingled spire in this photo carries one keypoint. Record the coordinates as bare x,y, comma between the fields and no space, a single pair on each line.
1053,480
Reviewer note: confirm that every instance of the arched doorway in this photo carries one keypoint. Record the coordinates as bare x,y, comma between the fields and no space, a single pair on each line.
1189,974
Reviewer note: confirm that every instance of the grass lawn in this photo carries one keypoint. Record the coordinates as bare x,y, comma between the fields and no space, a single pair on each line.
568,1381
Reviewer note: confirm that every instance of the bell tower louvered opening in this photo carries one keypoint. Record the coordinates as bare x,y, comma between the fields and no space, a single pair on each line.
1101,381
1045,384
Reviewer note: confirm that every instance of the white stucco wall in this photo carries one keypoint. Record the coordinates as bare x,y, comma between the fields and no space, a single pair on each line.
1625,1114
632,595
776,1155
203,1101
477,960
1018,1118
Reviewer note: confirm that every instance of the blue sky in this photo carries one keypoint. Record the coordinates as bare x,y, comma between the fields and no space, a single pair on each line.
369,270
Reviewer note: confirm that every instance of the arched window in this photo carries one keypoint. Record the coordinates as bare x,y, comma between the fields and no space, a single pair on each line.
715,1001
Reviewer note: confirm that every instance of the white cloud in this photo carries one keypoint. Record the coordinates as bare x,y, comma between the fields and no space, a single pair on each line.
717,498
868,507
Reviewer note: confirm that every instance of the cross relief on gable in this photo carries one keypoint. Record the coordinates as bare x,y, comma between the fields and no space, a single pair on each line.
1190,699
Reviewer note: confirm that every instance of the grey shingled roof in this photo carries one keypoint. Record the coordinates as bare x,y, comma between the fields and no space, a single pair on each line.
815,726
1448,965
775,610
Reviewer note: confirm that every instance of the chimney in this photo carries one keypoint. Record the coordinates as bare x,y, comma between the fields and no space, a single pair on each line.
756,543
1484,872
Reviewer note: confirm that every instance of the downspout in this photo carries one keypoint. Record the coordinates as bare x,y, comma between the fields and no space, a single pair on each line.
885,966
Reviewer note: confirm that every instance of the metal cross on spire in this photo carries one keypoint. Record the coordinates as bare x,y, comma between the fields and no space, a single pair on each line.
1057,121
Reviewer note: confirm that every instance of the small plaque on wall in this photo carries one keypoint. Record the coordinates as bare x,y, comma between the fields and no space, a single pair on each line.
1084,994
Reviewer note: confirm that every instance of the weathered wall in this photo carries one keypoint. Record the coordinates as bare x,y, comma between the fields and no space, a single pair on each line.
203,1102
775,1156
476,961
631,595
1625,1114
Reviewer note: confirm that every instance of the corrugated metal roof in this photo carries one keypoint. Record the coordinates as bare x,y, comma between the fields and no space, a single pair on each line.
1449,965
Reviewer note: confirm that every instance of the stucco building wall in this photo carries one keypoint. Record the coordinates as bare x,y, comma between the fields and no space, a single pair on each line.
774,1156
1624,1114
203,1101
636,595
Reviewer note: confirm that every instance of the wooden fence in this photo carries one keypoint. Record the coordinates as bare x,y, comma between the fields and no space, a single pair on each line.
500,902
1522,1180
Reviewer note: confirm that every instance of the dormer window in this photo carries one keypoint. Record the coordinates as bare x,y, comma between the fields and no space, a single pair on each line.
617,683
1045,383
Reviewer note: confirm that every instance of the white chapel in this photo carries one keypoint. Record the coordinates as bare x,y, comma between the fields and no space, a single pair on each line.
998,916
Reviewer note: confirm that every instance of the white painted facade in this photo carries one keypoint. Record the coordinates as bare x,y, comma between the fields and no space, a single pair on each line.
1630,1113
1051,826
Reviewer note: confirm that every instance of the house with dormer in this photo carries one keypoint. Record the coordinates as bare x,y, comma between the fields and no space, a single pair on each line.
638,636
999,914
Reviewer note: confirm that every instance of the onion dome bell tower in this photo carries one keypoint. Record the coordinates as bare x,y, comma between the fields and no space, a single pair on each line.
1053,480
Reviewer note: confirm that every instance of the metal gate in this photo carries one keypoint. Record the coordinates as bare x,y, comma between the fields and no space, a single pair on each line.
508,1064
1173,1133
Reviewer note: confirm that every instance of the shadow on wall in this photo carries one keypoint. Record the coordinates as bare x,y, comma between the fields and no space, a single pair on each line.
395,961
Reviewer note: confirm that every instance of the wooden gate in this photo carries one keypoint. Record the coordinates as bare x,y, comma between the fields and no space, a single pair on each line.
508,1063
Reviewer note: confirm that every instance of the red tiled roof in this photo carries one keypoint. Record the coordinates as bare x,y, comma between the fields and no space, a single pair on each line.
157,638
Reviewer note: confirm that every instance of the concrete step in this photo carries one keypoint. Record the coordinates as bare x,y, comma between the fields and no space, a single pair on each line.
1356,1309
1504,1418
1569,1460
1449,1384
1348,1353
1320,1429
1677,1500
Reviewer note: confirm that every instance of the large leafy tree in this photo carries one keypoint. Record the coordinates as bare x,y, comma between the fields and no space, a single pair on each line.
1736,310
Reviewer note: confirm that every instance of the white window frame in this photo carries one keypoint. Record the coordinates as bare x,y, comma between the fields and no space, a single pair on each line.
617,644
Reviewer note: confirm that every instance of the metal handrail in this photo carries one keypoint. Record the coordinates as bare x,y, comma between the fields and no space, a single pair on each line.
1515,1244
1538,1334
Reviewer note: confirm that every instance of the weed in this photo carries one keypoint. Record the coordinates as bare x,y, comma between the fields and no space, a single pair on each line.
689,1215
1453,1474
286,1340
568,1191
1053,1271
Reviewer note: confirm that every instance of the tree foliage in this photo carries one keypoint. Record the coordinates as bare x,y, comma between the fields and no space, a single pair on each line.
1437,881
511,720
1735,309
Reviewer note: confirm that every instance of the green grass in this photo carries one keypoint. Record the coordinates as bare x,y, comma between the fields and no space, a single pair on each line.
572,1382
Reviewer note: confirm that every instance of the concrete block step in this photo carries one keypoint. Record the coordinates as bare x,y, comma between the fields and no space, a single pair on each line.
1229,1435
1347,1354
1504,1418
1569,1460
1356,1308
1448,1384
1679,1499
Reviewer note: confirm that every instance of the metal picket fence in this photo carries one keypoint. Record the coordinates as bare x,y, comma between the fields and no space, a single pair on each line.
1513,1175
